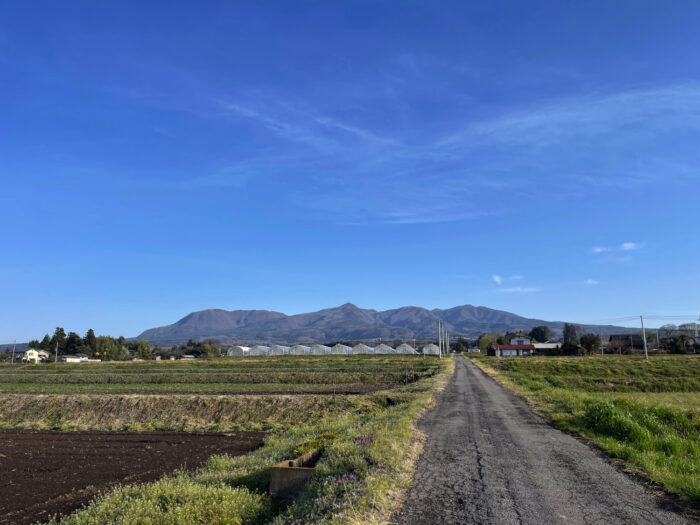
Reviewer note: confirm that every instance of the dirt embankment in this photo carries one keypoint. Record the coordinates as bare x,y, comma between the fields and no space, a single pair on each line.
201,413
45,473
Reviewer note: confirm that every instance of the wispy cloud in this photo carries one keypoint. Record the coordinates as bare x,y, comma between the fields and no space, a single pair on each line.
616,254
592,282
497,279
360,166
519,289
630,246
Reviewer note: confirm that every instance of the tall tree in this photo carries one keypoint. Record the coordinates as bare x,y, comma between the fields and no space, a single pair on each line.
143,350
540,334
45,343
486,341
74,343
59,339
90,342
570,334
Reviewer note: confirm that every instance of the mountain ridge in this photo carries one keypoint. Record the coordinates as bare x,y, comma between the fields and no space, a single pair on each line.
346,322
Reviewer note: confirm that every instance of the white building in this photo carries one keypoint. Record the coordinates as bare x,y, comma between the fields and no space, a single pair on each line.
520,341
362,349
431,349
237,351
384,349
320,350
405,349
341,349
33,355
259,350
278,350
300,350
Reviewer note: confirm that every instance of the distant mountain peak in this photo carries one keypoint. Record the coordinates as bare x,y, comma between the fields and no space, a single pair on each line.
344,322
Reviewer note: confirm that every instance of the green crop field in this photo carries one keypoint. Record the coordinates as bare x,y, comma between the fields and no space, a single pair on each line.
329,374
358,410
644,412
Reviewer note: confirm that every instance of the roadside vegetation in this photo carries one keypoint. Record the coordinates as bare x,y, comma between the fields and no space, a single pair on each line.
368,441
646,413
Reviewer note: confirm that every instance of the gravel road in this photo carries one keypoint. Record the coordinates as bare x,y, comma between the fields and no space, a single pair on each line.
489,459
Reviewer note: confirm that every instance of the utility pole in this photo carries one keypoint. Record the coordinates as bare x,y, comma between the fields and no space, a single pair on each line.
56,356
13,352
644,336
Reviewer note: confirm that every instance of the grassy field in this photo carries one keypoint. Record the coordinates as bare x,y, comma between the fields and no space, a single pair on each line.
368,439
646,413
327,374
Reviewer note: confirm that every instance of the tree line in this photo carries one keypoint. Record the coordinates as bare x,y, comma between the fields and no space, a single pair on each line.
109,348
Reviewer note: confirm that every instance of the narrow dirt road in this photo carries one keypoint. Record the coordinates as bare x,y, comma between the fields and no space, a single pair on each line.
489,459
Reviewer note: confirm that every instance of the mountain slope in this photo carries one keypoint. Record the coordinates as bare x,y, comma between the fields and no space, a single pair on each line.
346,322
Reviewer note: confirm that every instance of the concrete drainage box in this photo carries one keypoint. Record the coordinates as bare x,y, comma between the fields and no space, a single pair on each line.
288,478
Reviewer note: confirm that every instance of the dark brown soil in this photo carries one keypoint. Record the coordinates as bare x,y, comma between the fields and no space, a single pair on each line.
44,473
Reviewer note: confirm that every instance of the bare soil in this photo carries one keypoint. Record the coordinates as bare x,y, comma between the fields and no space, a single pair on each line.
44,473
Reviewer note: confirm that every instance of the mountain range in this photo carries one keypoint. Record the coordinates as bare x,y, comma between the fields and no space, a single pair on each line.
347,322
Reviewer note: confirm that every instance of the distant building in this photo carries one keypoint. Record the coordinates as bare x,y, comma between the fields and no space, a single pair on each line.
341,349
520,340
237,351
384,349
259,350
278,350
36,356
431,349
362,349
405,349
546,347
299,350
513,350
320,350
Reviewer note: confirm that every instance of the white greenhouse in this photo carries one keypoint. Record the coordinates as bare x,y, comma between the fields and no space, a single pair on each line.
278,350
384,349
237,350
259,350
431,349
362,349
320,350
405,349
341,349
299,350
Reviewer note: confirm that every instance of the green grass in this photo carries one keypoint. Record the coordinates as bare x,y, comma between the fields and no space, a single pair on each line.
366,445
646,413
219,376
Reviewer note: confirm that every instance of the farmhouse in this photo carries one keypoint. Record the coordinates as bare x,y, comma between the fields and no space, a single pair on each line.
33,355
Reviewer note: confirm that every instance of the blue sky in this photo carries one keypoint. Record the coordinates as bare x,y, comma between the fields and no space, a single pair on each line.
162,157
